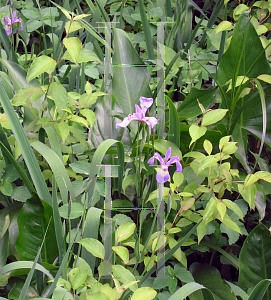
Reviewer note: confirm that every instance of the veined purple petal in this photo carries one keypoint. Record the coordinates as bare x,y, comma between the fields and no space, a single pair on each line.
158,156
179,167
13,16
147,102
173,160
151,121
168,153
22,28
151,160
8,21
8,30
139,114
162,175
126,121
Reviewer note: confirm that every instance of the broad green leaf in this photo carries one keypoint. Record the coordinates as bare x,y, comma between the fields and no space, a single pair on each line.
86,55
33,220
77,209
213,116
124,276
23,95
6,188
178,178
210,278
163,145
77,277
94,246
125,90
178,254
125,231
122,252
78,119
248,193
59,95
266,176
240,80
72,26
207,162
234,207
89,115
221,207
189,108
183,275
63,129
209,210
224,25
81,167
251,178
201,231
196,132
40,65
208,147
73,45
265,78
255,259
232,235
144,293
227,221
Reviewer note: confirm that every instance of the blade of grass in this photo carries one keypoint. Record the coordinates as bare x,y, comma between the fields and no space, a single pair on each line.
54,141
211,22
58,225
90,230
146,30
27,152
98,157
264,111
58,168
65,259
23,176
30,274
174,124
24,265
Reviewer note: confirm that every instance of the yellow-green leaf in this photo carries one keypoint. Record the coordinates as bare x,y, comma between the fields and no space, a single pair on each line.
89,115
224,25
208,147
221,207
196,132
122,252
79,120
95,247
213,116
144,293
72,26
40,65
74,46
125,231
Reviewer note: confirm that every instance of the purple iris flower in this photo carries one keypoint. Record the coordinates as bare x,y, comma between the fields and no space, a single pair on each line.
10,22
162,175
140,114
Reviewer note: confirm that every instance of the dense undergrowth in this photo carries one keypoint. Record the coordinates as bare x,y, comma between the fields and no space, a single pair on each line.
135,150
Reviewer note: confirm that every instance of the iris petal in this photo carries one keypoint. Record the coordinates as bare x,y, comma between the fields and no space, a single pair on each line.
147,102
173,160
162,176
168,153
